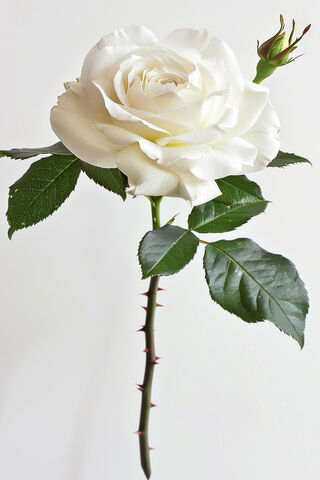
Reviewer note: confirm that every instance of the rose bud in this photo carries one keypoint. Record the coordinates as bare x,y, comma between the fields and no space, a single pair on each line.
275,51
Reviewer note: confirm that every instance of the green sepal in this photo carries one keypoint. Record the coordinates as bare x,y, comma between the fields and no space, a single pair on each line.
110,178
41,190
241,200
166,250
264,70
256,285
284,159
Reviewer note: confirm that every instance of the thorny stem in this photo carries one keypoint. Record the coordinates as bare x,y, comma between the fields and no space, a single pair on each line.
146,387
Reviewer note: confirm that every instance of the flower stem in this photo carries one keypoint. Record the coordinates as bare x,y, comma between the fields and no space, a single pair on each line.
146,387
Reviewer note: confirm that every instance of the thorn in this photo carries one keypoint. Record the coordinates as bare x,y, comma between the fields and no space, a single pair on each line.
144,308
146,350
160,289
138,432
142,329
158,358
151,448
146,294
159,305
155,362
141,389
152,405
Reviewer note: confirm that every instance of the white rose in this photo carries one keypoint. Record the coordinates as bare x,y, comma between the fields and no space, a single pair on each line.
172,115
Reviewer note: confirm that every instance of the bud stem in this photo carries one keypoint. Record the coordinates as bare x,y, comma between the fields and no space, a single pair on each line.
150,354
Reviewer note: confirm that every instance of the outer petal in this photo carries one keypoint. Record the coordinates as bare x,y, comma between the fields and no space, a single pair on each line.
208,163
264,135
145,176
111,48
197,191
77,131
228,158
250,105
209,47
103,59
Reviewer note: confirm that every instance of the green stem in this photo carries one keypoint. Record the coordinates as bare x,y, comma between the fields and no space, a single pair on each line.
150,354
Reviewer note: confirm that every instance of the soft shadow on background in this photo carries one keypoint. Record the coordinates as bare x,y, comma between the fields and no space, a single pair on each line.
236,401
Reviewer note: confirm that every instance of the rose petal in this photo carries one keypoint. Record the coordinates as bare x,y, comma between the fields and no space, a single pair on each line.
111,48
200,113
145,176
224,159
120,137
70,123
264,135
195,137
210,48
132,122
197,191
137,98
251,104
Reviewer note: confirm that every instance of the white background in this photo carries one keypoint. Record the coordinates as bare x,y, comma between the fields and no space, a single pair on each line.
236,401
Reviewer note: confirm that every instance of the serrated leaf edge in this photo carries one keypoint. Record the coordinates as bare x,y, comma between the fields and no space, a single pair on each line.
149,274
299,159
12,230
232,209
122,195
300,337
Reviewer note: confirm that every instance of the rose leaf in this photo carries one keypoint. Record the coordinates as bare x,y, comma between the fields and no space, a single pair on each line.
241,200
283,159
23,153
41,190
166,250
110,178
256,285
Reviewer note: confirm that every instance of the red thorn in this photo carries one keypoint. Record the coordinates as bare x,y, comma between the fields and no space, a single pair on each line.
158,358
146,350
138,432
141,389
155,363
142,329
159,305
152,405
146,294
151,448
144,308
160,289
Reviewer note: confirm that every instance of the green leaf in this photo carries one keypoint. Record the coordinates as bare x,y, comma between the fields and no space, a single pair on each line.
241,200
256,285
41,190
283,159
110,178
166,250
23,153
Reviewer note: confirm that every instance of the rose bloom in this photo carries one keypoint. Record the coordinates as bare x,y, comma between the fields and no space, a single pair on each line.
173,115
